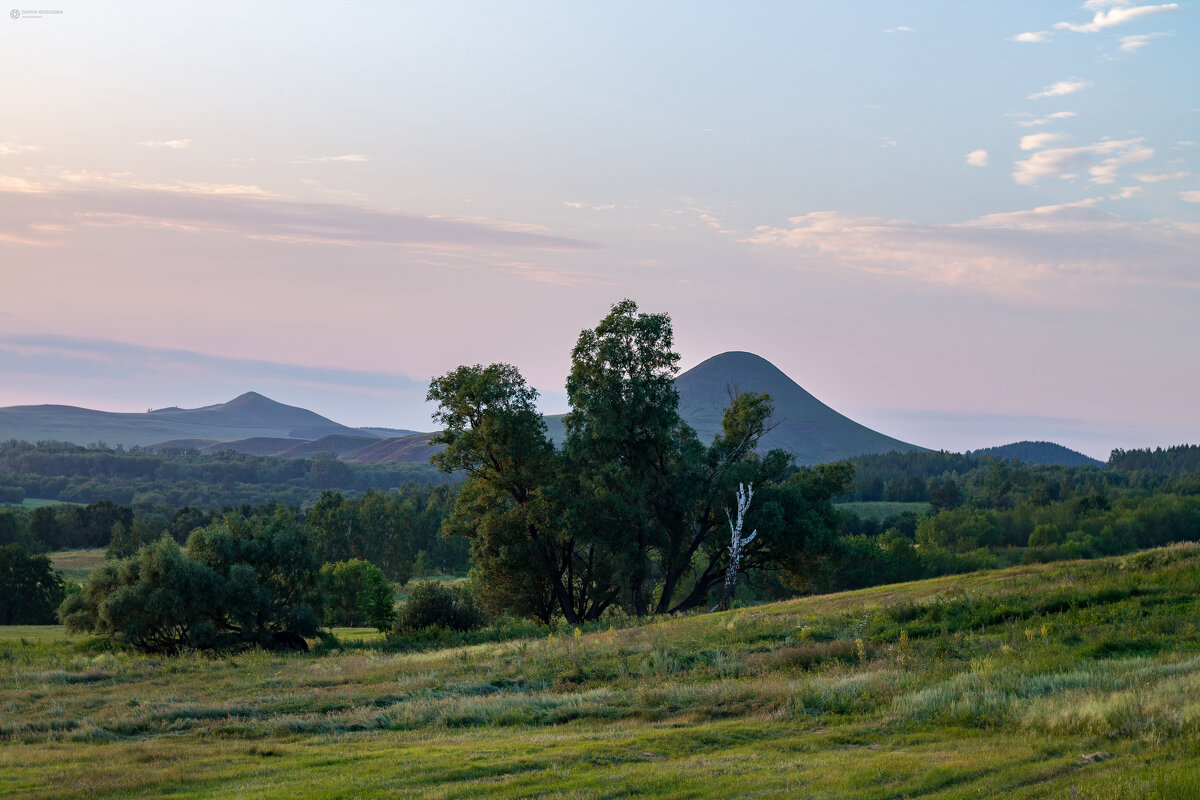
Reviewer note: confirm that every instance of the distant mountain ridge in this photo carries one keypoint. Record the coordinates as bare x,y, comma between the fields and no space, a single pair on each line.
246,416
251,423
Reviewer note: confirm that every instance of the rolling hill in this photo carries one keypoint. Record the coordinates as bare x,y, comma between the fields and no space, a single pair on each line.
248,415
337,444
255,445
257,425
1045,453
414,447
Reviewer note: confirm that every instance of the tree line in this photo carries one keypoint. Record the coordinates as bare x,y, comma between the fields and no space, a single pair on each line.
987,512
70,473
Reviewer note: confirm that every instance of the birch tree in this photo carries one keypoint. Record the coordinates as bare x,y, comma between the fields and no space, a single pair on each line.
737,543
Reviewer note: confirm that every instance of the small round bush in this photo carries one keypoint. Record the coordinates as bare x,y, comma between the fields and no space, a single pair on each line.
433,605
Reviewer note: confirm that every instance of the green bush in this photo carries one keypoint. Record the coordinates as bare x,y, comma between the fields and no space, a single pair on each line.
159,600
30,589
357,593
1045,534
240,582
432,605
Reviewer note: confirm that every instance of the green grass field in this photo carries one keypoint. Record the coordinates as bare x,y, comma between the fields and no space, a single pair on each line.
880,510
76,565
1070,680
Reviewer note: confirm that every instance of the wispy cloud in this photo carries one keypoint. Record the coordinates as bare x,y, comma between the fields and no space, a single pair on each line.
1192,196
1014,253
899,29
1036,141
12,148
10,183
1027,120
1060,88
169,144
354,158
977,158
1114,16
102,368
1031,37
114,201
1131,44
589,206
1128,193
1066,163
124,180
1159,177
107,353
541,272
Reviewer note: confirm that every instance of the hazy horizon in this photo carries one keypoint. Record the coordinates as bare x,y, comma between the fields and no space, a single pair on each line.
959,224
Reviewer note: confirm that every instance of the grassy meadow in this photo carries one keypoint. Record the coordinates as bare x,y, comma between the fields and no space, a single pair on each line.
77,565
1072,680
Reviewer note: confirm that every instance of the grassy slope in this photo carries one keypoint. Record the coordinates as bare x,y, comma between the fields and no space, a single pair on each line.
1068,680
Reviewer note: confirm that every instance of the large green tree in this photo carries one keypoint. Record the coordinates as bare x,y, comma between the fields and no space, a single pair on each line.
507,508
630,511
630,457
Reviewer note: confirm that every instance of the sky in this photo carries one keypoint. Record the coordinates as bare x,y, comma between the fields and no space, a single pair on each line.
962,224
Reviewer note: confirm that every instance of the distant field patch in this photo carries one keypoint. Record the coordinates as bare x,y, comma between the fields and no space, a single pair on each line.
404,590
77,565
33,634
38,502
357,634
880,510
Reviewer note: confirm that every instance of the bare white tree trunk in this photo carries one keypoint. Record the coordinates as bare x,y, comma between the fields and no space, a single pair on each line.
737,544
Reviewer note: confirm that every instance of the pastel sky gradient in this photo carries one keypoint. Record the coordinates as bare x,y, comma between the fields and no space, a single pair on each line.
962,224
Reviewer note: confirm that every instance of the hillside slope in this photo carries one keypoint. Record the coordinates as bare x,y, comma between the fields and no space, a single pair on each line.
337,444
413,448
804,426
1071,680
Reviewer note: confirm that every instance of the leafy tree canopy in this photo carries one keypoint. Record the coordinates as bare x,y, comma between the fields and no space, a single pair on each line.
30,589
630,511
357,593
